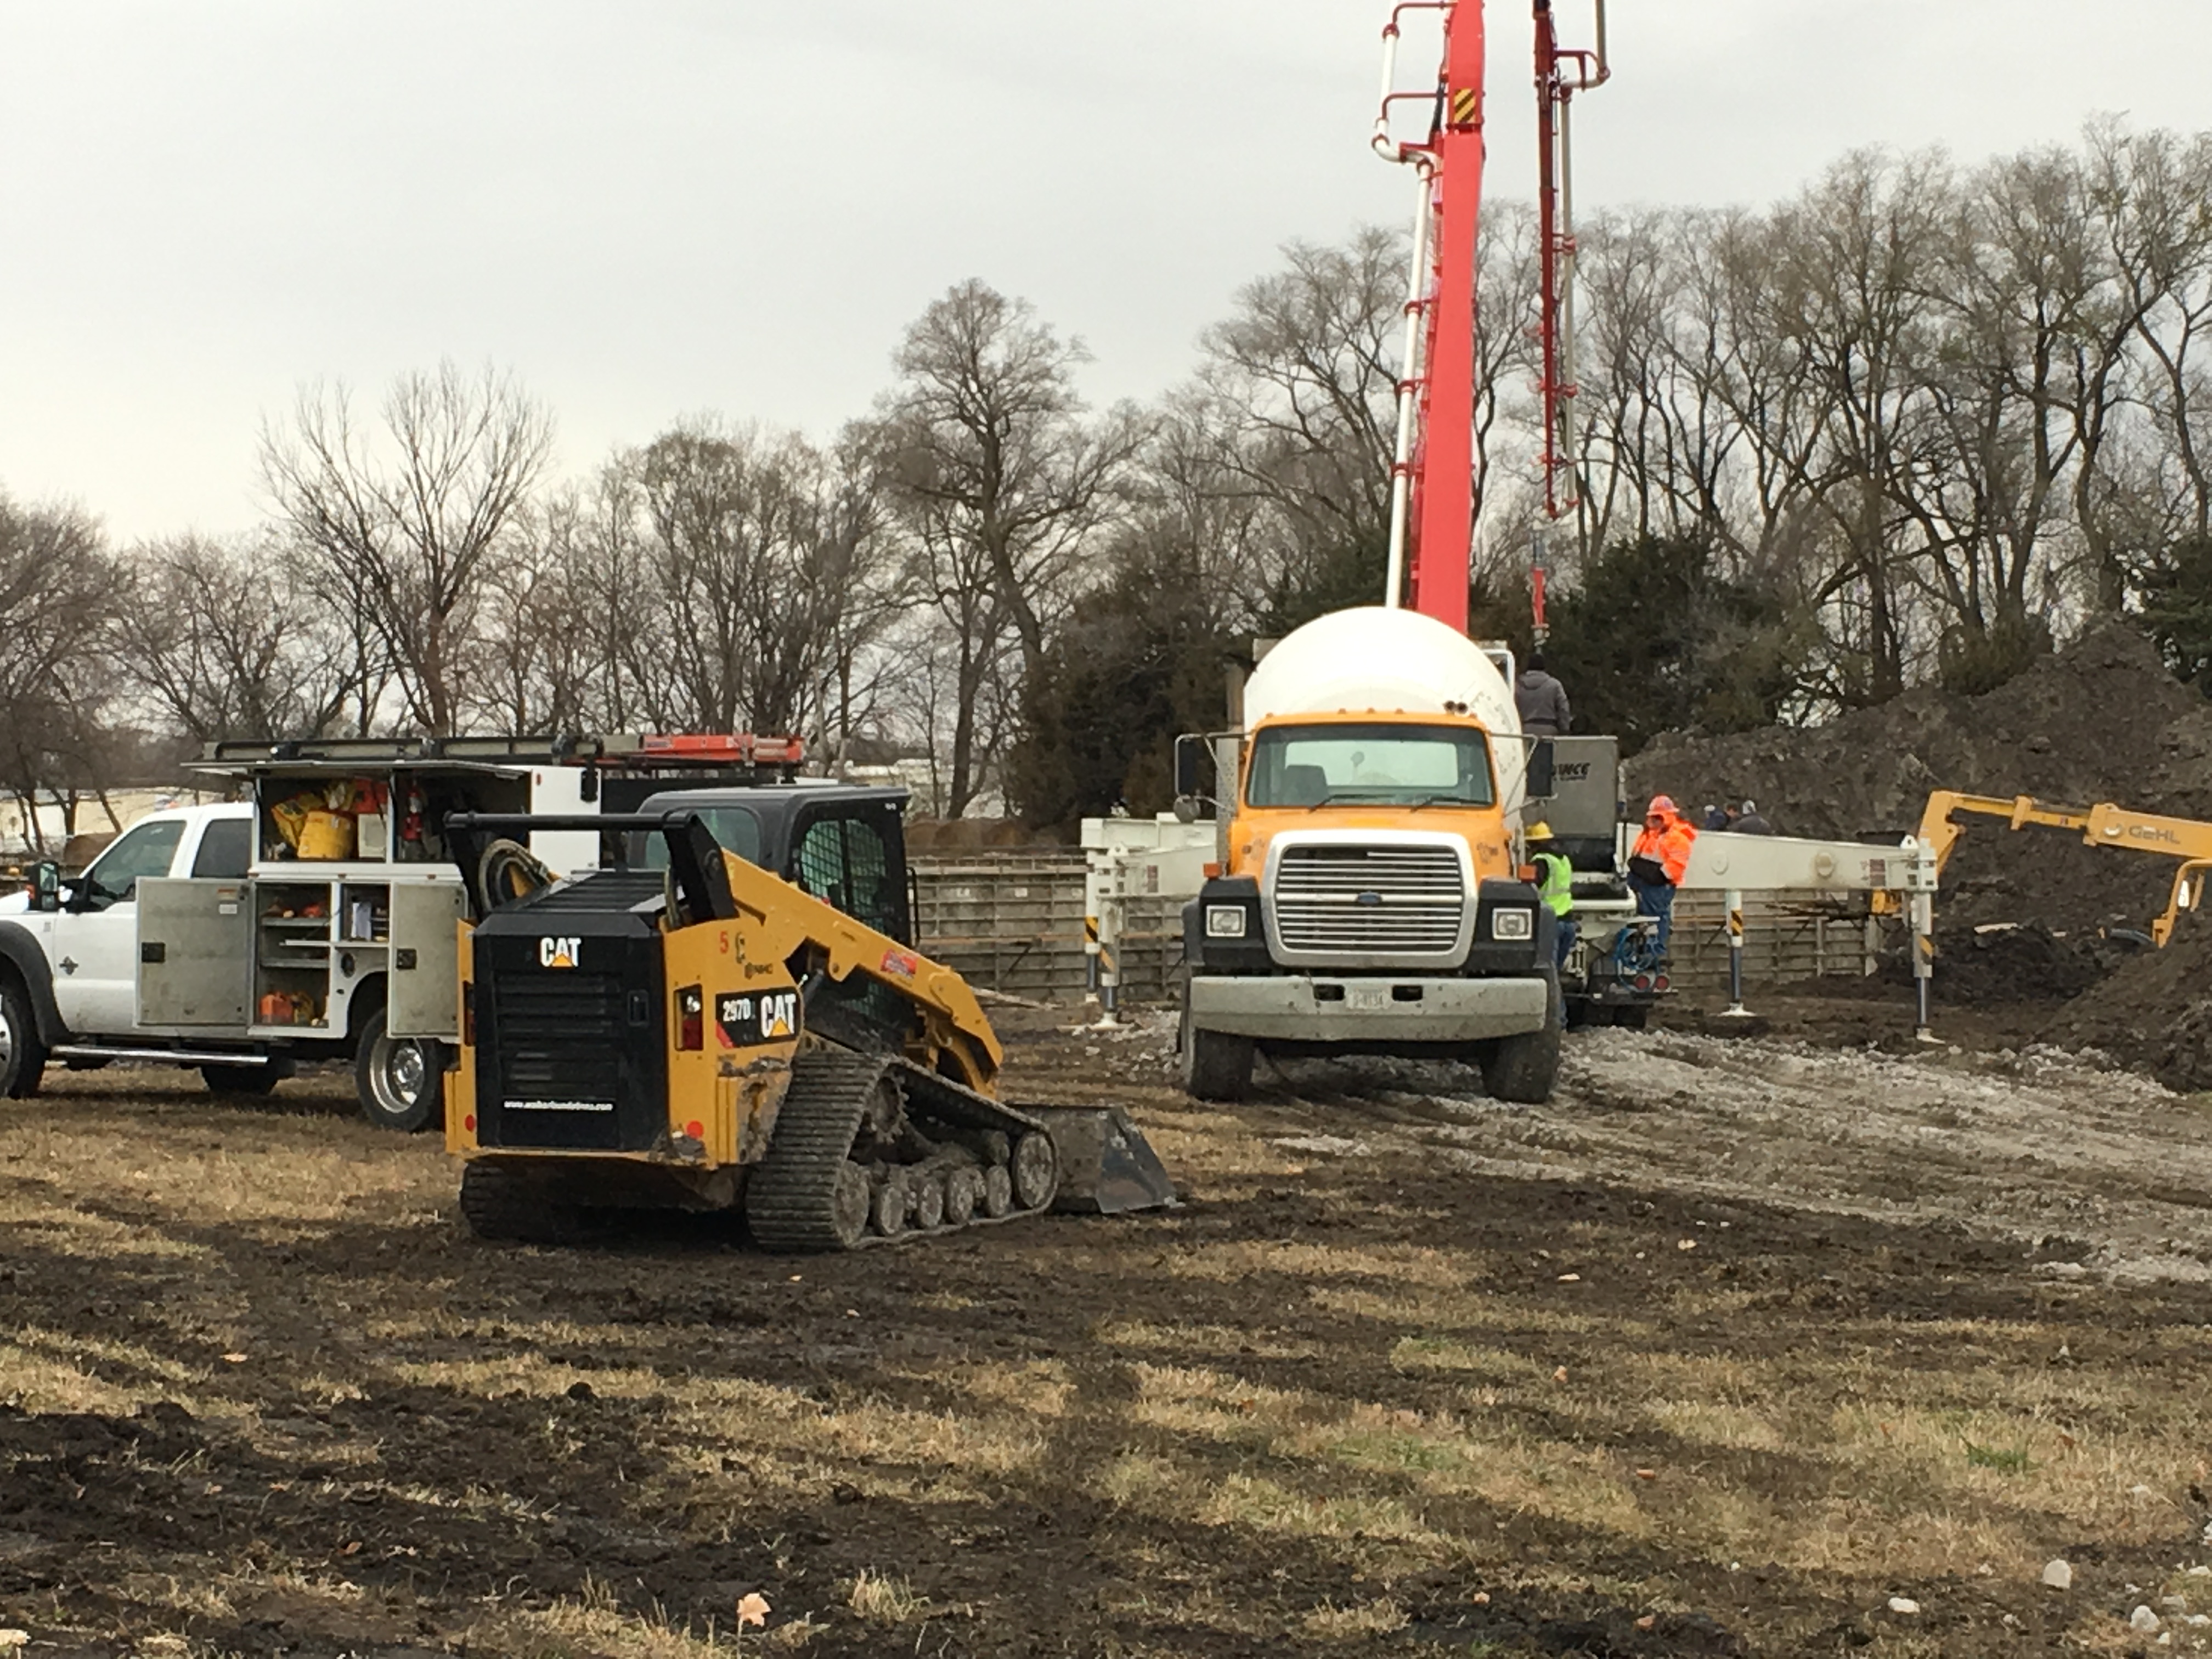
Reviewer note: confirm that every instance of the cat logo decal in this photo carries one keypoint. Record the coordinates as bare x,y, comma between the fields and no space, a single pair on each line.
778,1015
559,953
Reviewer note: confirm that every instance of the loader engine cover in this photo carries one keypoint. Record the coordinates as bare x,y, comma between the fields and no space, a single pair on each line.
569,998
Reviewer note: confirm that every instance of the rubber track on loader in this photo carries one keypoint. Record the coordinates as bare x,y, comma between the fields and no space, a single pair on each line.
787,1201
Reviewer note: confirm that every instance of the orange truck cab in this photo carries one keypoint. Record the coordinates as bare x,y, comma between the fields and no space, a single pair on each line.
1370,897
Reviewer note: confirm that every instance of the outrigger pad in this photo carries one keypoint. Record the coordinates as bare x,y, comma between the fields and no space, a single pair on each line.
1106,1165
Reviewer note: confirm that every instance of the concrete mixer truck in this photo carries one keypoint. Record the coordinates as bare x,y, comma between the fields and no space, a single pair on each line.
1368,898
1368,894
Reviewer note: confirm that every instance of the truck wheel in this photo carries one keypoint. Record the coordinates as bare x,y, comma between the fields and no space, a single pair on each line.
1522,1068
507,1207
1216,1065
22,1056
401,1081
245,1079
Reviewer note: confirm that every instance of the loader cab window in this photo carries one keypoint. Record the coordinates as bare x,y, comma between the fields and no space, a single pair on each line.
845,862
147,850
850,864
734,830
1383,764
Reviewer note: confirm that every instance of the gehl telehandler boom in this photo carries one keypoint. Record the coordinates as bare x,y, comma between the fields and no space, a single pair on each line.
2102,825
708,1036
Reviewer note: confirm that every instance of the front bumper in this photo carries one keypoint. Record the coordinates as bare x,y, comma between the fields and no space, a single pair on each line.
1396,1008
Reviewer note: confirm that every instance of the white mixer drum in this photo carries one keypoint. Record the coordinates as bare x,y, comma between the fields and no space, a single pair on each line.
1377,661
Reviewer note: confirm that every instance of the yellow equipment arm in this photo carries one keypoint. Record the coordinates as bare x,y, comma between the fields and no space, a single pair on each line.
1939,833
2147,832
2104,825
776,919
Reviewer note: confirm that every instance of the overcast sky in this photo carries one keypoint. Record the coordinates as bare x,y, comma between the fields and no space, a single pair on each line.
669,206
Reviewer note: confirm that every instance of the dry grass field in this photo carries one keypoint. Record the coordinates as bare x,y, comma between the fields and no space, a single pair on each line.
1718,1354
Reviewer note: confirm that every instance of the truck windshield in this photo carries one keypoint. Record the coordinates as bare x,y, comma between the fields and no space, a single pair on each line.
146,849
1379,764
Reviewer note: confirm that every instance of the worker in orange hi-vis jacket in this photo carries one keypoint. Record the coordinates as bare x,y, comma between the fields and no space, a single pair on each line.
1657,864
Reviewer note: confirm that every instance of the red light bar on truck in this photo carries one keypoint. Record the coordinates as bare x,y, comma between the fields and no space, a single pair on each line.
700,747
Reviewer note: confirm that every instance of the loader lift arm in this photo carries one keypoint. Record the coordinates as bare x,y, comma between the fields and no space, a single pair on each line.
2189,840
780,922
777,922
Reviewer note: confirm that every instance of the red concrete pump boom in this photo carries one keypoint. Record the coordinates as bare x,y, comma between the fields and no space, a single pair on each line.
1432,497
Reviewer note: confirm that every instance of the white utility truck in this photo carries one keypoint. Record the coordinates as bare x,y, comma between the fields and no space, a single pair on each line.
314,919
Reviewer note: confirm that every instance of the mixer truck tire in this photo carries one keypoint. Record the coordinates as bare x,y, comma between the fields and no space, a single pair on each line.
1216,1065
1522,1068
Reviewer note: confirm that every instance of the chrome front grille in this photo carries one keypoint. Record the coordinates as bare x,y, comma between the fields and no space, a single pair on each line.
1350,902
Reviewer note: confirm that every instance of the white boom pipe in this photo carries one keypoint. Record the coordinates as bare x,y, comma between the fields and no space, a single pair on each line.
1409,381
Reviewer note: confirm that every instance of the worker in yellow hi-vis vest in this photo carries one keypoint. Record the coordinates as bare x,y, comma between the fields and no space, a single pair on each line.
1555,884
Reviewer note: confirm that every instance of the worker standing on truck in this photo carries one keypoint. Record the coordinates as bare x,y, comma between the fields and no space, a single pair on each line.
1541,701
1660,858
1555,884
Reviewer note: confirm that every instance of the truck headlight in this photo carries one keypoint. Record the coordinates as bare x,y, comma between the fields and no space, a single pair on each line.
1225,921
1515,922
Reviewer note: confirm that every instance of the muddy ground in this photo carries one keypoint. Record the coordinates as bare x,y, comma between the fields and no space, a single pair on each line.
1734,1341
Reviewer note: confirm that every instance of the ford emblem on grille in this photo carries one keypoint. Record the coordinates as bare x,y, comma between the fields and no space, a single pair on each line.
1368,898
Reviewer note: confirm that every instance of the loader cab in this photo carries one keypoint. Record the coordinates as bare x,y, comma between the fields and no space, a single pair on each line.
846,845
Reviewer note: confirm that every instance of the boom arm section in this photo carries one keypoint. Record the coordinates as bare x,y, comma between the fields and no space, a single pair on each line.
1941,835
2102,825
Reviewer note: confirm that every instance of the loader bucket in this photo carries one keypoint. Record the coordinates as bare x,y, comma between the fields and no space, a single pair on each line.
1106,1165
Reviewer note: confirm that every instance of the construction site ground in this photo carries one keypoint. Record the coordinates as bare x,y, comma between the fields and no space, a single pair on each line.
1739,1346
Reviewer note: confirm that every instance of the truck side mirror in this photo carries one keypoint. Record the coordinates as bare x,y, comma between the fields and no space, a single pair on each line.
1541,765
1190,755
46,886
1189,752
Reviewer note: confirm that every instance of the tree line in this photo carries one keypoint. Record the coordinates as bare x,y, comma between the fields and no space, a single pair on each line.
1908,426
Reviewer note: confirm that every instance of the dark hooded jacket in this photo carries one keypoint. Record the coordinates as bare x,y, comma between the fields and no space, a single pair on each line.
1542,702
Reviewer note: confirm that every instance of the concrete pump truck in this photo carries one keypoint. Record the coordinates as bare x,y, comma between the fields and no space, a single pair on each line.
1370,893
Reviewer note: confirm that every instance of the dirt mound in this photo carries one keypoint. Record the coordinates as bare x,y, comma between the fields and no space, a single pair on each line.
2002,963
2101,720
2153,1013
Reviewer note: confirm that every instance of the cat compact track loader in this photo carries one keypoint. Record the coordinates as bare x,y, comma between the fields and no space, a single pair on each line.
691,1030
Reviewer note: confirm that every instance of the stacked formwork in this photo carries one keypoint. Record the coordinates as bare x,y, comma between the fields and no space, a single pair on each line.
1788,937
1014,922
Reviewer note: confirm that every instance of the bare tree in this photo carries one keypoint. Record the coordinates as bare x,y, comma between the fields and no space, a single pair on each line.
986,439
409,522
965,666
1302,378
225,641
534,655
57,585
857,557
